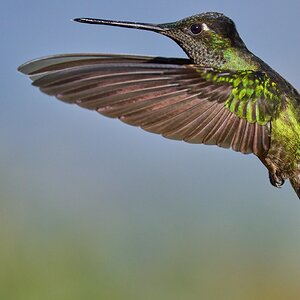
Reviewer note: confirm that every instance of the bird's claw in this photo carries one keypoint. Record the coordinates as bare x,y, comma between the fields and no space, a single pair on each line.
276,180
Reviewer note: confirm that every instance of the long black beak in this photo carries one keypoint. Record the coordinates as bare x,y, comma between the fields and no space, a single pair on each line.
144,26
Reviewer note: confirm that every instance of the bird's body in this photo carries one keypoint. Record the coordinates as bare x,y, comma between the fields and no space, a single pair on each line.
222,95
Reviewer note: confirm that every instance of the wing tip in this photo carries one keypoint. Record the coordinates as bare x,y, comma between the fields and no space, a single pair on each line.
22,68
36,64
31,66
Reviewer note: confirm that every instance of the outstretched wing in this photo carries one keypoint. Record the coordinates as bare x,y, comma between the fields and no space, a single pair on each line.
167,96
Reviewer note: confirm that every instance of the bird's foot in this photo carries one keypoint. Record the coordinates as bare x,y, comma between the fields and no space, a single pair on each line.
276,180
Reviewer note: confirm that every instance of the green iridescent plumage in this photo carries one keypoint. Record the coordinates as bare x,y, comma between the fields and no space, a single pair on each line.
221,95
254,96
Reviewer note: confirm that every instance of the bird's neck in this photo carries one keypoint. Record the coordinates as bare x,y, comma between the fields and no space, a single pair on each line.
230,59
240,59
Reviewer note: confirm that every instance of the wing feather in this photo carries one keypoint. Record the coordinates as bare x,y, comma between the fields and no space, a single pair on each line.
167,96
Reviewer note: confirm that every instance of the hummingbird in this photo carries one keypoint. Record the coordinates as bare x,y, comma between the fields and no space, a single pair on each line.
221,94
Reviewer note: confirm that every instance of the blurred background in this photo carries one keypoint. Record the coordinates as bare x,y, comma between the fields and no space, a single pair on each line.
91,208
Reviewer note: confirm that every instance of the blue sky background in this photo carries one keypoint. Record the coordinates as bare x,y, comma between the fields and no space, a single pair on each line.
91,205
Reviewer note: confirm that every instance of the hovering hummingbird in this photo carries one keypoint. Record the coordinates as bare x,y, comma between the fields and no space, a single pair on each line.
222,94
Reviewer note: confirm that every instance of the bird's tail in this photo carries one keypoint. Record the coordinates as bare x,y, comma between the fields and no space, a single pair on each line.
295,182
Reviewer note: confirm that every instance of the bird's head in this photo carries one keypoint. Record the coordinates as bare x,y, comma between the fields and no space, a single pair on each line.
205,37
209,39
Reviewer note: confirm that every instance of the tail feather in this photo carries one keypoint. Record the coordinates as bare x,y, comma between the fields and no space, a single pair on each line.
295,182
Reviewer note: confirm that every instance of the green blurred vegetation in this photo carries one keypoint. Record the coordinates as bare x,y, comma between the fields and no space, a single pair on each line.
94,251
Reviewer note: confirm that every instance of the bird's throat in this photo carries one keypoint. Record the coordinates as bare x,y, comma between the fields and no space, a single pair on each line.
240,60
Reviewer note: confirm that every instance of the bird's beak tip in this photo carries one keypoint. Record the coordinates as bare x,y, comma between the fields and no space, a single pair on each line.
80,20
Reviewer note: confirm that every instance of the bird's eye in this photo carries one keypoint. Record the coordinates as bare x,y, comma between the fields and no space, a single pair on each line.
196,28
